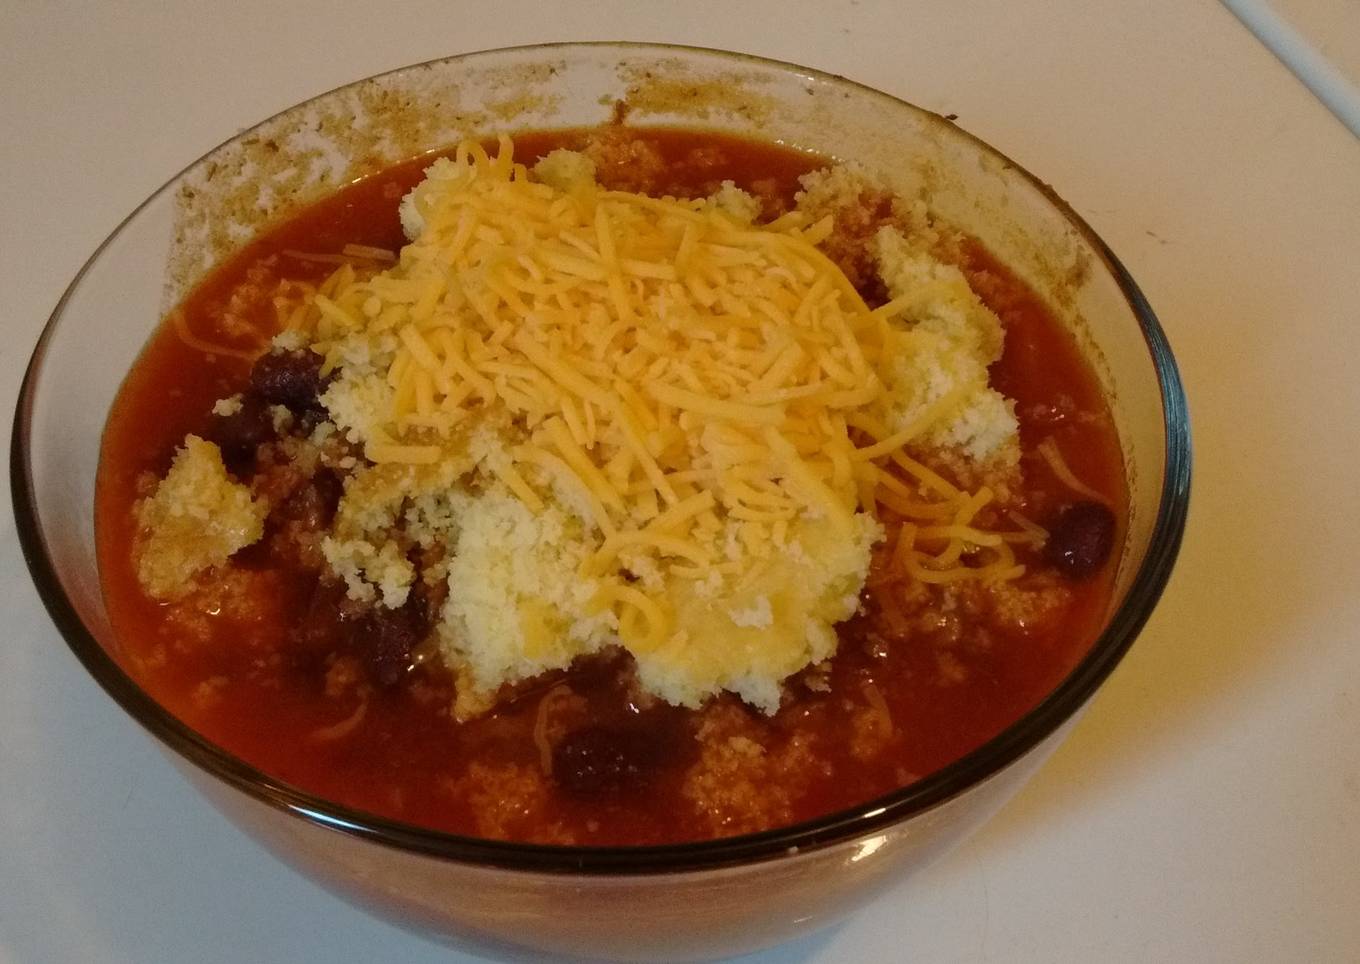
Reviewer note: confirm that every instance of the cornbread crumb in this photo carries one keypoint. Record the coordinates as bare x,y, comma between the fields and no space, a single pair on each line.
508,803
743,779
759,615
1031,604
360,399
734,201
565,170
730,786
290,339
227,406
196,519
835,190
371,572
208,693
946,339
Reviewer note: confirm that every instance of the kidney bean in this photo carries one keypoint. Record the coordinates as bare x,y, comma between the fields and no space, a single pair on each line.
289,378
597,760
324,622
1080,539
384,639
239,434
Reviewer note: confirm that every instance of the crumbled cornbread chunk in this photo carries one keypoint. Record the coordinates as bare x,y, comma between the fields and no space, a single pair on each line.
779,618
946,338
516,606
196,519
736,202
565,170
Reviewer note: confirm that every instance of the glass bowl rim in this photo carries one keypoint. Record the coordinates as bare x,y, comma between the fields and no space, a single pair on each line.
846,825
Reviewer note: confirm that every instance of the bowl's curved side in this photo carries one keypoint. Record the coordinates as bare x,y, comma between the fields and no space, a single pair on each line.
120,293
695,915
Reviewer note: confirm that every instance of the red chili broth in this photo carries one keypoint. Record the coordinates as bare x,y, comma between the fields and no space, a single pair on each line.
400,761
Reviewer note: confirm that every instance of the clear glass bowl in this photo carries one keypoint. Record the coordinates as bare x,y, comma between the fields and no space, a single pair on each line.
696,900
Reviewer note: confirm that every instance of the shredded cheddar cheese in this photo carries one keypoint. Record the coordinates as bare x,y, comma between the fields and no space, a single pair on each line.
701,409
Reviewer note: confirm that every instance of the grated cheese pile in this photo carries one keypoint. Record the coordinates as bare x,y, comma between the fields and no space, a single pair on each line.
646,422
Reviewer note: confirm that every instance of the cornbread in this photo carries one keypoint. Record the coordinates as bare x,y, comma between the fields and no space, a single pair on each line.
196,519
629,421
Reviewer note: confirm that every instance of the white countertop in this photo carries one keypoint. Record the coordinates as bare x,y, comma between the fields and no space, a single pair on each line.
1208,805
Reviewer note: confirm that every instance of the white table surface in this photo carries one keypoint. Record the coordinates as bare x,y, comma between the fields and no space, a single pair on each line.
1208,805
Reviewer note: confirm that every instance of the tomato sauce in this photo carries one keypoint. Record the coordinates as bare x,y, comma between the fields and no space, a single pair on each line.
912,687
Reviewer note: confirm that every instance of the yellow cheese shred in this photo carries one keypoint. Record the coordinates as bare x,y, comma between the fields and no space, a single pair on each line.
667,368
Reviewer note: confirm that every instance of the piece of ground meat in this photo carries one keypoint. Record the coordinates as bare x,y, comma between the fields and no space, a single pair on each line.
623,162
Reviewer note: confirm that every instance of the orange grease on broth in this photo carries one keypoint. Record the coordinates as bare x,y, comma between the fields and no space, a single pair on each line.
403,758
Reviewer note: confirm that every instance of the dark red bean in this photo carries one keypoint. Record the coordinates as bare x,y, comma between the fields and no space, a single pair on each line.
289,378
384,639
239,434
599,760
1080,539
323,627
381,639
